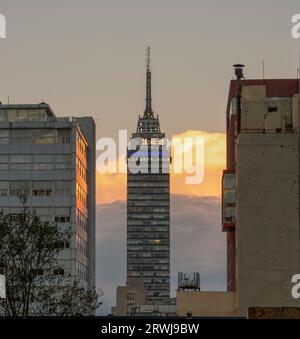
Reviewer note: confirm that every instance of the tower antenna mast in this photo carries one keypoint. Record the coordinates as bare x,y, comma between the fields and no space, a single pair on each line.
148,110
148,59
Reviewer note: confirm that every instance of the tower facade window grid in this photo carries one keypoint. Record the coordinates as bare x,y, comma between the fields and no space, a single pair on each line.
52,161
148,204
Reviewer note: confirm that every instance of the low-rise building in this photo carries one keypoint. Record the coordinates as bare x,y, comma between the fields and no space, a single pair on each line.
130,297
205,304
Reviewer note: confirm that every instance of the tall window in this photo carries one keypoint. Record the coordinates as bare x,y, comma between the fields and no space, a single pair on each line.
81,170
81,220
229,198
81,245
81,146
81,195
4,136
42,188
20,187
62,215
4,188
82,272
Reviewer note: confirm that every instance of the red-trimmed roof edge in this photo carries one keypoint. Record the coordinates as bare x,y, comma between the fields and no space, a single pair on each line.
279,88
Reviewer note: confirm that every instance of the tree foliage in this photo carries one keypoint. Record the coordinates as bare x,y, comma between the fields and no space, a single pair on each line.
29,259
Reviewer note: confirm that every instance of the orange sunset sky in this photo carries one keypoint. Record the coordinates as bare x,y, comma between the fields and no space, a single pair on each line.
112,187
87,58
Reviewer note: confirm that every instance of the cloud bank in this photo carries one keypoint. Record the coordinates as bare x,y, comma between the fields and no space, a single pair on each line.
112,187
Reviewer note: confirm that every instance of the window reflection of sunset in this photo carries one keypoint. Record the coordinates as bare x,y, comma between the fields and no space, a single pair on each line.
112,187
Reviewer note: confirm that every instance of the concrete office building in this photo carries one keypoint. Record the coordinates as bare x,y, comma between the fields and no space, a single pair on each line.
52,161
130,298
148,205
132,301
261,192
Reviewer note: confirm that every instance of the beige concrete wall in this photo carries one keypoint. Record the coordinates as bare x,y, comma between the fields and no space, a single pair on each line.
253,108
125,306
255,115
267,176
206,304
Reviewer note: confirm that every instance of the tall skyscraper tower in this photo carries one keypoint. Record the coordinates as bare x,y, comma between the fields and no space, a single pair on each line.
148,204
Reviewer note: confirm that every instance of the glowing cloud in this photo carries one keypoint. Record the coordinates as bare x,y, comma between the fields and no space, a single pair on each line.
214,163
112,187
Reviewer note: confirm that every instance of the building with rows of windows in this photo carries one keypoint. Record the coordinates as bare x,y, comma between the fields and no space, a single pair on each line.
52,161
148,215
148,204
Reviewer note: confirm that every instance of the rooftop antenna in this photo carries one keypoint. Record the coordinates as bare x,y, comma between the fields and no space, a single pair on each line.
148,109
148,58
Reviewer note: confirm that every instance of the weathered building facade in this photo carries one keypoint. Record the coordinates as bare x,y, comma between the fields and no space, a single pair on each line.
51,161
261,193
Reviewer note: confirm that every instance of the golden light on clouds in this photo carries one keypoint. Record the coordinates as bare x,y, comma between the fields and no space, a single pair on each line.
112,187
214,163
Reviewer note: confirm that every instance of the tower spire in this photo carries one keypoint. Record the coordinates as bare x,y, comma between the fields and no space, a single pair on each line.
148,109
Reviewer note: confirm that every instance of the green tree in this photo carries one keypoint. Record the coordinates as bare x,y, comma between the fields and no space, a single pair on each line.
35,285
